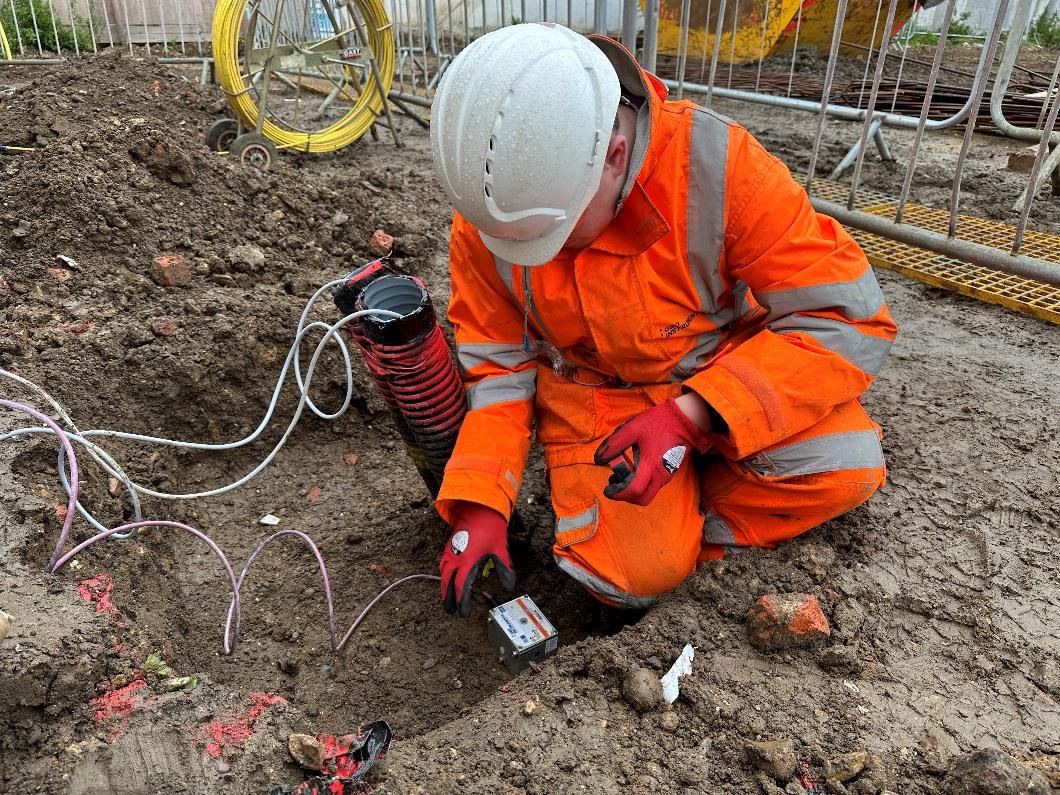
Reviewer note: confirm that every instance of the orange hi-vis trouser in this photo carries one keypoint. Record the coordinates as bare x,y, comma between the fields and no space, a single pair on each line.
627,555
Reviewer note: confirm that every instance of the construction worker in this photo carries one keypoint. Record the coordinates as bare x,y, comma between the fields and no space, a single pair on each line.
648,287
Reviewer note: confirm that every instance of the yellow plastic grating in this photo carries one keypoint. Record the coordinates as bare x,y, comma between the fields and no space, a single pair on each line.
867,201
1012,292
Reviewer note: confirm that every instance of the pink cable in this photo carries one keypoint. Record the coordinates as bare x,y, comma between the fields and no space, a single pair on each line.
230,639
71,506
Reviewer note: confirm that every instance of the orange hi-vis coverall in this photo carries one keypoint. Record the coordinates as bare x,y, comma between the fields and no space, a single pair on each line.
715,276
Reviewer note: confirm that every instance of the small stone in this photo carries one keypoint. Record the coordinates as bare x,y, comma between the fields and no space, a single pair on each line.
248,258
785,621
988,771
170,270
384,662
5,624
175,683
350,459
164,326
429,663
775,758
339,218
845,766
22,229
113,487
849,617
530,707
669,722
269,520
937,749
642,690
306,750
276,215
381,243
841,659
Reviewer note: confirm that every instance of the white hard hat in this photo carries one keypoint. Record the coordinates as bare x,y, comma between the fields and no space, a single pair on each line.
520,128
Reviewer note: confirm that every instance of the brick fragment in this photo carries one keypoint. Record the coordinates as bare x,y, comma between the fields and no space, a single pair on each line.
164,326
785,621
381,244
170,270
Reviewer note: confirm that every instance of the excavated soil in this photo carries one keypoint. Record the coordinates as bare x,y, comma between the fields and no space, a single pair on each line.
942,591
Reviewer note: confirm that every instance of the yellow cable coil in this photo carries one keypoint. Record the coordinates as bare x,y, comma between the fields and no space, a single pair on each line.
227,21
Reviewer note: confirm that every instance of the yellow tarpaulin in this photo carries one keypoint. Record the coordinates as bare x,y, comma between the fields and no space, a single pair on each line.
755,29
860,22
749,32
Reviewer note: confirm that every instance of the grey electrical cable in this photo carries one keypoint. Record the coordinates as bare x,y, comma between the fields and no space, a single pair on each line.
134,500
293,355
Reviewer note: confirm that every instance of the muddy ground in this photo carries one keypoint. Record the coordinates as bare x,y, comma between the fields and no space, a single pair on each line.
942,591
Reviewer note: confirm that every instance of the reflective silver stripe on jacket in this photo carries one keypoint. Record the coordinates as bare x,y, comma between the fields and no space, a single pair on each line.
604,588
857,299
502,388
504,271
831,453
708,155
717,531
506,355
583,519
864,351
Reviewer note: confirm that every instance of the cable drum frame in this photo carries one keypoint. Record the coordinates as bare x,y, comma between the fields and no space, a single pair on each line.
247,87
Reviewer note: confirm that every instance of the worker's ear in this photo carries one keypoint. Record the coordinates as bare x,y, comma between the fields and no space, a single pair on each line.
617,154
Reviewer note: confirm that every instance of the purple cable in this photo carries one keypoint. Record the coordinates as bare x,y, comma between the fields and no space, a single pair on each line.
328,599
71,506
58,560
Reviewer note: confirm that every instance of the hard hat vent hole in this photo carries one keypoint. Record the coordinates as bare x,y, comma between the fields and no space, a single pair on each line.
493,142
489,167
488,191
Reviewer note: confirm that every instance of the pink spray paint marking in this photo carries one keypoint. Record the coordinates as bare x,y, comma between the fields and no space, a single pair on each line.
96,590
115,707
232,731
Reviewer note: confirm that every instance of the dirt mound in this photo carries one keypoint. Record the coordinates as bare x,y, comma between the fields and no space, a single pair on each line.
43,105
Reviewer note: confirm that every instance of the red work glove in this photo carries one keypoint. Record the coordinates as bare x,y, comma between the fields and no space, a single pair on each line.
480,534
661,438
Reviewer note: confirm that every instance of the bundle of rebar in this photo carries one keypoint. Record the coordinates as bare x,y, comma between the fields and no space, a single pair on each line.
1023,103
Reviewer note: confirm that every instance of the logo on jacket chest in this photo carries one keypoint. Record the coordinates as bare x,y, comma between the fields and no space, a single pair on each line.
673,328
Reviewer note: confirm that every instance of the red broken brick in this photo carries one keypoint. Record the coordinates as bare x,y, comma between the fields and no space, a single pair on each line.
785,621
313,495
164,326
381,244
170,270
350,459
61,275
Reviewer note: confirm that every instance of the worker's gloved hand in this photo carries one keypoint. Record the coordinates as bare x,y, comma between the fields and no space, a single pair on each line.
660,438
480,535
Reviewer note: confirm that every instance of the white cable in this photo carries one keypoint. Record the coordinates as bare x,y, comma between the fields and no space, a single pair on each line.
293,355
